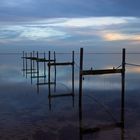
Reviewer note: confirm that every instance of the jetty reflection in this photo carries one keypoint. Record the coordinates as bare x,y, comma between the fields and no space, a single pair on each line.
84,130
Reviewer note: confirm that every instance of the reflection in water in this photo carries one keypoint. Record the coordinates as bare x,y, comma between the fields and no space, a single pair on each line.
105,127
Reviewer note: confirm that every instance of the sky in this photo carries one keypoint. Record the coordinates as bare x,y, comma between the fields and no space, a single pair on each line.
72,24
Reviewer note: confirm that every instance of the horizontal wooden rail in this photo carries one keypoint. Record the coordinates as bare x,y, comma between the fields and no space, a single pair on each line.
39,59
61,95
44,60
46,83
60,64
99,72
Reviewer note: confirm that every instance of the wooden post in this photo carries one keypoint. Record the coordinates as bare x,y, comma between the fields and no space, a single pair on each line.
33,63
26,69
44,68
54,72
123,88
37,73
23,63
80,77
73,76
31,66
49,86
73,72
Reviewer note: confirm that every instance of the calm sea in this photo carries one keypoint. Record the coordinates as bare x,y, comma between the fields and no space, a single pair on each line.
28,115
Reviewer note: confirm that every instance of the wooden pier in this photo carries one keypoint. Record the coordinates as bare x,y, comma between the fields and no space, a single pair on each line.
34,72
50,62
34,69
82,73
99,72
56,64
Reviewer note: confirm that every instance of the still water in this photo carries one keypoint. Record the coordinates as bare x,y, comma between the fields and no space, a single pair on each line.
26,114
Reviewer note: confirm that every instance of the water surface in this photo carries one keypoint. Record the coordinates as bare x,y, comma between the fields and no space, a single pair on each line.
26,114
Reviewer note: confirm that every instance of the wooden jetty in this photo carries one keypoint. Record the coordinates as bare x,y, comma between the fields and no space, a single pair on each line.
57,64
34,72
99,72
82,73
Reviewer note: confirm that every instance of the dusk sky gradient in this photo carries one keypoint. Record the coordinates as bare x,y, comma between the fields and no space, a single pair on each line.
74,23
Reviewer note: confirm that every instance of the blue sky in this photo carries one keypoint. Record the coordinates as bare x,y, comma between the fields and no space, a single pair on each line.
77,23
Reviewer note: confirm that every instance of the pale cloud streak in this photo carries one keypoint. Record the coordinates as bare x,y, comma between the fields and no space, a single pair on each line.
34,33
90,22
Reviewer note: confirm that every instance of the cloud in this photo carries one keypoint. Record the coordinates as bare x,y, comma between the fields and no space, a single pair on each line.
22,32
87,31
90,22
36,33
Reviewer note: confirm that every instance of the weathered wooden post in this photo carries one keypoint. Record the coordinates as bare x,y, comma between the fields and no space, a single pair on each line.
33,62
26,66
31,66
54,72
73,72
23,57
49,84
80,77
123,87
37,63
44,67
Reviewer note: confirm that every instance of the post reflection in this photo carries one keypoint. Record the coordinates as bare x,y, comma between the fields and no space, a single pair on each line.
54,94
106,127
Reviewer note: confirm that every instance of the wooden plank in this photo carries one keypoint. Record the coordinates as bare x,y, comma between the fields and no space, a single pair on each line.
101,128
39,59
61,64
44,60
61,95
99,72
47,83
33,58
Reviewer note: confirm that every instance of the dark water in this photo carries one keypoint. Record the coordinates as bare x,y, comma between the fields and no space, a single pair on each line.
26,114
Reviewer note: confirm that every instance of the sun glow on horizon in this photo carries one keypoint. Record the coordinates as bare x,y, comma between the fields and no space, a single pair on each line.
119,36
